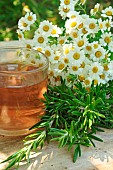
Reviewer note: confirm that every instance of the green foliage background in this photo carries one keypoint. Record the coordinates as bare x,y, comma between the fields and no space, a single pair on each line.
12,10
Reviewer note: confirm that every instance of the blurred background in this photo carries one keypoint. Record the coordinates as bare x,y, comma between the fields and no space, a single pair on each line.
12,10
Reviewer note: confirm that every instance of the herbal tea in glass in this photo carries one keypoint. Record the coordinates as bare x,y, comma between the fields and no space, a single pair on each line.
23,81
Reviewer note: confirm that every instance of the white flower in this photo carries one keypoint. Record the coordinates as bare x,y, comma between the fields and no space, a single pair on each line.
45,28
76,56
20,35
66,3
108,23
40,40
56,31
71,24
23,24
74,69
108,12
73,14
91,25
30,17
106,38
64,11
98,54
95,10
95,69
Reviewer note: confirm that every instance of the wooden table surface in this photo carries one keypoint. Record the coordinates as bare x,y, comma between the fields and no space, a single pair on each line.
52,158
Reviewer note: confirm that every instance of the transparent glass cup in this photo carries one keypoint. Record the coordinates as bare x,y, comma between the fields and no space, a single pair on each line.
22,85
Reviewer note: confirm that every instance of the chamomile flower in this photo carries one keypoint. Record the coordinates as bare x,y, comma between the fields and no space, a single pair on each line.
108,24
98,54
95,69
81,41
55,58
106,38
73,14
48,52
40,40
87,82
20,35
63,11
74,34
77,56
74,69
45,28
91,25
56,31
71,24
23,24
95,10
108,12
66,3
101,25
61,40
30,17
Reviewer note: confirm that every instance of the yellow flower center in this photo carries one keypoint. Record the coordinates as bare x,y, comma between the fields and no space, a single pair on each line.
95,69
80,26
86,82
98,54
45,28
66,51
76,56
84,31
75,35
61,66
66,60
88,48
73,16
106,68
92,26
66,2
109,13
24,24
66,10
47,53
19,36
74,68
102,76
107,25
73,24
39,49
53,31
107,39
95,46
81,77
80,43
30,18
56,58
95,81
28,46
82,65
61,41
101,25
40,39
51,73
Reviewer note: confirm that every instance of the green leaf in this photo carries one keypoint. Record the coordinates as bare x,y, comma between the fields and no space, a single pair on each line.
76,153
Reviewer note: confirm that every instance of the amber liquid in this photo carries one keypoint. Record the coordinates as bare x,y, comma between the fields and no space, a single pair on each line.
21,108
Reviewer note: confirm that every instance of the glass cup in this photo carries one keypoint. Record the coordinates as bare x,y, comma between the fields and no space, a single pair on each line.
23,81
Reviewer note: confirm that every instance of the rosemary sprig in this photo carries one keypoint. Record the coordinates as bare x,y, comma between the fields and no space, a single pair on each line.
73,116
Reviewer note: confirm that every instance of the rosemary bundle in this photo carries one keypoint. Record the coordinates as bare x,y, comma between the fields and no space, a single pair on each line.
73,117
